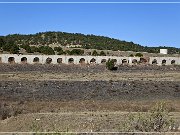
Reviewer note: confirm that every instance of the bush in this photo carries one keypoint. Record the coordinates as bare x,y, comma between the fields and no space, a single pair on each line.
77,52
131,55
139,55
95,53
110,64
46,50
27,48
102,53
156,120
59,50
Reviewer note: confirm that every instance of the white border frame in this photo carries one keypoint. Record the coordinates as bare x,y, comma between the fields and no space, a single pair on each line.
88,2
38,2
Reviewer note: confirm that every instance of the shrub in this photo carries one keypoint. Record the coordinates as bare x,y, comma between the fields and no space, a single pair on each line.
77,52
102,53
46,50
110,64
139,55
131,55
95,53
156,120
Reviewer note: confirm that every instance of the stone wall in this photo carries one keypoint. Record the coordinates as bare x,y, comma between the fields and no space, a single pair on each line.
57,59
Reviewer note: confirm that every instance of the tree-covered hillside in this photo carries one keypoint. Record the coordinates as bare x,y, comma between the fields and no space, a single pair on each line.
12,42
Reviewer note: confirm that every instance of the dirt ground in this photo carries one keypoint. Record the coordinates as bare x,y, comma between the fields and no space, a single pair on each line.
82,98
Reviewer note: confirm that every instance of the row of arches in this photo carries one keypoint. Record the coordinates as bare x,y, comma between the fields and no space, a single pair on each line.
92,61
59,60
163,62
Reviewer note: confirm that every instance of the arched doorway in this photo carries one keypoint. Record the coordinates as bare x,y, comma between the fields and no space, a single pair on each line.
134,61
154,62
36,60
103,61
82,61
164,62
124,61
11,60
23,60
71,61
173,62
48,61
143,60
59,60
93,61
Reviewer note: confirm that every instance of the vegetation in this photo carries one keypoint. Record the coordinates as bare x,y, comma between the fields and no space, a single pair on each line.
86,41
102,53
110,64
131,55
76,52
156,120
95,53
139,55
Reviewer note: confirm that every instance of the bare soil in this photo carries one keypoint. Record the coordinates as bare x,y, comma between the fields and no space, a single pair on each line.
82,98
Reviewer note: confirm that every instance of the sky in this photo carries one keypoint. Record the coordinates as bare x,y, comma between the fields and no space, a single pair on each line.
144,24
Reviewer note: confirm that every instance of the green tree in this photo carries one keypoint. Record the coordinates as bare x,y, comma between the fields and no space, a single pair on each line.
2,42
11,47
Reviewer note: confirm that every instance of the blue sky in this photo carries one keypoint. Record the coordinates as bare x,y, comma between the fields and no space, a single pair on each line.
145,24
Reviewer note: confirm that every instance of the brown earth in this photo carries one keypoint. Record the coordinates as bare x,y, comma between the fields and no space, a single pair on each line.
82,98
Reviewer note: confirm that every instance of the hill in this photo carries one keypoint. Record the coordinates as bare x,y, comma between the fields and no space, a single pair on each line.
11,43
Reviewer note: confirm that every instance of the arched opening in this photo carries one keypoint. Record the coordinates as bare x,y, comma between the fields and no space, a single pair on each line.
23,60
154,62
93,61
173,62
59,60
134,61
36,60
48,61
124,61
163,62
11,60
71,60
82,61
143,60
103,61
